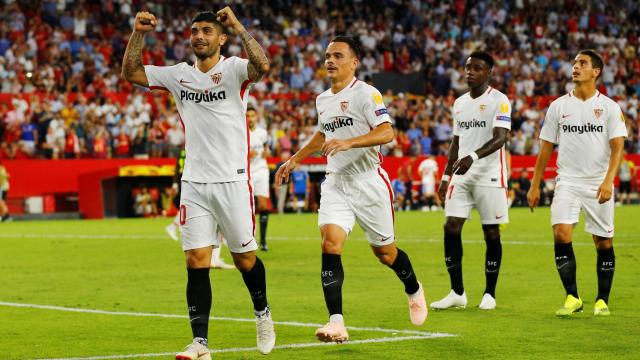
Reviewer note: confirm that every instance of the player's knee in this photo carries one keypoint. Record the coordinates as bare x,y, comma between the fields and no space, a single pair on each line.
603,243
330,247
244,262
452,228
385,258
197,258
561,235
491,233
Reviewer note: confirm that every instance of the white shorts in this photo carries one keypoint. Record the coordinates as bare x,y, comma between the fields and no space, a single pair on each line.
428,187
366,198
491,202
568,200
205,208
260,182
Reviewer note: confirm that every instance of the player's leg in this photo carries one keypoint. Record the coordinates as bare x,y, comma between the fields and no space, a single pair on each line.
172,228
197,227
398,261
565,211
599,222
216,254
374,212
263,210
335,220
457,209
233,204
493,208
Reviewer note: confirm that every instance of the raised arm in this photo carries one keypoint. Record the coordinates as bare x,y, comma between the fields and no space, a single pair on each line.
132,68
258,61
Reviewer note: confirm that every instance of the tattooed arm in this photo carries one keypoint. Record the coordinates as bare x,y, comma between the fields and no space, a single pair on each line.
132,68
258,61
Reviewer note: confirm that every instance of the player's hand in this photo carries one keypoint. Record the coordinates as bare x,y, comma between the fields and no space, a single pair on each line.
605,191
461,166
282,175
533,197
334,146
252,154
144,22
228,19
442,191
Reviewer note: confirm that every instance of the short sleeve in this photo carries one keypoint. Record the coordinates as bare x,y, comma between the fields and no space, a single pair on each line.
373,108
160,77
549,131
502,117
320,129
616,124
239,66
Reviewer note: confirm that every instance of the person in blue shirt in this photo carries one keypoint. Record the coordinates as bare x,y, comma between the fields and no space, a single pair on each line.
299,185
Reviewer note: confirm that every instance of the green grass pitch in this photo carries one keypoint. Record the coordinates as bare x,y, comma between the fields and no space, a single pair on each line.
130,266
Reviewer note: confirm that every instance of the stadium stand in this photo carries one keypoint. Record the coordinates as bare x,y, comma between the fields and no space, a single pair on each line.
69,53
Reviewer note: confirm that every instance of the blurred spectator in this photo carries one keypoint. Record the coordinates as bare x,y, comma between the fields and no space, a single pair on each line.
4,189
521,186
428,170
627,175
299,188
399,189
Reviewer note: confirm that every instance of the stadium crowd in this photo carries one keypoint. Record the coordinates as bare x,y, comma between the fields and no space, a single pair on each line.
71,52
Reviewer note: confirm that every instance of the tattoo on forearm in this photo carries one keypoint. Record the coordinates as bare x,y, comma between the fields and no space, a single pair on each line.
133,54
257,58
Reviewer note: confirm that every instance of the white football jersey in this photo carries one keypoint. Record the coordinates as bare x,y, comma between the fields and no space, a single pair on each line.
582,130
428,169
212,107
473,123
258,138
352,112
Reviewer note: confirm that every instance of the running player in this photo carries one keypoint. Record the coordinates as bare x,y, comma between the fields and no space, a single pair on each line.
211,97
476,175
589,129
352,123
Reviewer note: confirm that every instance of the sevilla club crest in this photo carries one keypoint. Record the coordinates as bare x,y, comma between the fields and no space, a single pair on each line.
216,78
598,112
344,105
482,108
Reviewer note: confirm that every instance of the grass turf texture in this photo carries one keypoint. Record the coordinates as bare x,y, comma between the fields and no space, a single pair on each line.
131,266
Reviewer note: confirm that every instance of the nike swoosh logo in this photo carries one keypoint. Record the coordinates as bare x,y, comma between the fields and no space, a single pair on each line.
183,81
321,112
499,217
563,265
247,243
491,271
329,283
195,318
610,231
564,116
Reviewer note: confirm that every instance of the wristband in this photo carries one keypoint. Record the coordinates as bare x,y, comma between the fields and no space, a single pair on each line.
445,178
474,156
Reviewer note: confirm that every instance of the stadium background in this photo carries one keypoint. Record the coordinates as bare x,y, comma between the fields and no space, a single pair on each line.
98,137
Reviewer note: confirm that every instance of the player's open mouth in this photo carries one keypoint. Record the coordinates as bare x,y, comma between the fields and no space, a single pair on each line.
575,73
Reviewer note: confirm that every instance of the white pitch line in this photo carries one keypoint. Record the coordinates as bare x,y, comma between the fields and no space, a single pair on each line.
400,239
215,318
288,346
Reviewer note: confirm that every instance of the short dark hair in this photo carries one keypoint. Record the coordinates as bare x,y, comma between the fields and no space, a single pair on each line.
351,41
210,17
596,60
251,108
484,56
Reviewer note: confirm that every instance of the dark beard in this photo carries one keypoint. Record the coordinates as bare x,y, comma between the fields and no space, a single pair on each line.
202,57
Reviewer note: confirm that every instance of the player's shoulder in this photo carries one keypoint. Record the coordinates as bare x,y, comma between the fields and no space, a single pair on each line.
324,94
463,97
607,101
363,87
498,95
